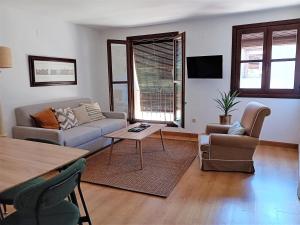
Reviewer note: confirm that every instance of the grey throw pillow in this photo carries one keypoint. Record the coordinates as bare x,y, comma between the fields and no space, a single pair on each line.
81,115
236,129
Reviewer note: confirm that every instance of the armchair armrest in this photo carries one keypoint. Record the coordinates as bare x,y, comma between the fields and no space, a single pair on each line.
238,141
115,115
22,132
217,128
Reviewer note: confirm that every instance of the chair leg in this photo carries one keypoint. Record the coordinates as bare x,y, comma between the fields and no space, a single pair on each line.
1,214
5,209
74,201
87,216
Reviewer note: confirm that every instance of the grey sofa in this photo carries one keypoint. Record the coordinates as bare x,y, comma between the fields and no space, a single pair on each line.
87,136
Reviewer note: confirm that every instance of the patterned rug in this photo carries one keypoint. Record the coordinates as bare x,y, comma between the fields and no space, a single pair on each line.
162,169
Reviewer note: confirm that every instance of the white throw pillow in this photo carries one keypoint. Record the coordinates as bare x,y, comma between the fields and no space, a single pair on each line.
81,115
94,111
236,129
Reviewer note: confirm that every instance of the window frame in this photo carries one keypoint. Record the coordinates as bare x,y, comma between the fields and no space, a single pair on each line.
267,28
111,81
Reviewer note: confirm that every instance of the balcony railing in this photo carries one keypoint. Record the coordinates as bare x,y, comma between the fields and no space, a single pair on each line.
155,104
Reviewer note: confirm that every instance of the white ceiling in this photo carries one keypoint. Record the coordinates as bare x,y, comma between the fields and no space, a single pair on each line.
128,13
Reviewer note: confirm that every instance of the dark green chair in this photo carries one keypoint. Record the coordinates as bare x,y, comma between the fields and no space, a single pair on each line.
8,197
46,203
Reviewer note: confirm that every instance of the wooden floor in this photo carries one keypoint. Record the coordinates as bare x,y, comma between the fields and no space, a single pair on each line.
268,197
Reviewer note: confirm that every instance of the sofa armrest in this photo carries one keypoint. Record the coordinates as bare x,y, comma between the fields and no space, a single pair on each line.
217,128
22,132
237,141
115,115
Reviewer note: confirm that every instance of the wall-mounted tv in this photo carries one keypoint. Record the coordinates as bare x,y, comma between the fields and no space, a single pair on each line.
209,67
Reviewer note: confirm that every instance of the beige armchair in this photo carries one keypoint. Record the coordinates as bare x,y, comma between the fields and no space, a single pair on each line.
225,152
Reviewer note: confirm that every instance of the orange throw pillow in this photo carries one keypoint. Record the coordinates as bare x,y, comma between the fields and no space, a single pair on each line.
46,119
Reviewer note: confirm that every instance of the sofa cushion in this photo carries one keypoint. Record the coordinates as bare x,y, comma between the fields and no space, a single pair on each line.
94,111
81,115
80,135
66,118
107,125
46,119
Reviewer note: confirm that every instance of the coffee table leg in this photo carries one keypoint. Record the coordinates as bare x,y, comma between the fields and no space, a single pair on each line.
136,146
111,149
141,154
162,140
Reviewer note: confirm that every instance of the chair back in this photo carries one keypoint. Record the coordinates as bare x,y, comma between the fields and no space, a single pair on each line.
253,118
50,192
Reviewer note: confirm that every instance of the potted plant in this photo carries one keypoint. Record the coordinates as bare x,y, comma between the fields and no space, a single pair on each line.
226,104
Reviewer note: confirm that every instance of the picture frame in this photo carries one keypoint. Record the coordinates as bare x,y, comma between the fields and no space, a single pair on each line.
51,71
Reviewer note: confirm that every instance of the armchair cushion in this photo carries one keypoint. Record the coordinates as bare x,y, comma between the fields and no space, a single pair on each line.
236,129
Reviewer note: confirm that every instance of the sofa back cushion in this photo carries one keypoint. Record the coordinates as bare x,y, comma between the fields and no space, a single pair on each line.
23,113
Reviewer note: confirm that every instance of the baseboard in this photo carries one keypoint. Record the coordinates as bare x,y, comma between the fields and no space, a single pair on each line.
279,144
174,135
187,136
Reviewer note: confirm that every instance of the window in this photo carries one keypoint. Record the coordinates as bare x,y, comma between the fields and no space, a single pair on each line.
266,59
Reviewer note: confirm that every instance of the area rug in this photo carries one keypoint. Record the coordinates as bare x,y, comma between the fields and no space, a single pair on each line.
162,169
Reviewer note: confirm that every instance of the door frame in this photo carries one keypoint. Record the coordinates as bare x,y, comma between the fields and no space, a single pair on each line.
130,70
130,41
183,38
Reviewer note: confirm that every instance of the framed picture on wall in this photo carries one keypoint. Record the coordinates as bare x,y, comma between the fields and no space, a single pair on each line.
50,71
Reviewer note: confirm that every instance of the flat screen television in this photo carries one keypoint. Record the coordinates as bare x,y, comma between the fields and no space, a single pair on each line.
209,67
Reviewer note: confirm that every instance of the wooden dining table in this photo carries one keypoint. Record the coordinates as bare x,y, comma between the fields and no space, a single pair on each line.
22,160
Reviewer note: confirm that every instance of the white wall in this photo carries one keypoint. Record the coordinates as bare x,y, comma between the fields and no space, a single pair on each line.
29,34
208,37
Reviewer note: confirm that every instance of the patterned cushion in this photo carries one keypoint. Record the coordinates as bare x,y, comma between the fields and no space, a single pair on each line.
66,118
94,111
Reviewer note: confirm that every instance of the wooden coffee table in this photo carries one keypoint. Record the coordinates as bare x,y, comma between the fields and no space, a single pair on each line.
124,134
